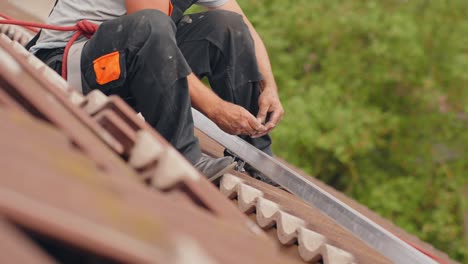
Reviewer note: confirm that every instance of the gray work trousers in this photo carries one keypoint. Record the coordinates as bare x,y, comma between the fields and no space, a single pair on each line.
156,55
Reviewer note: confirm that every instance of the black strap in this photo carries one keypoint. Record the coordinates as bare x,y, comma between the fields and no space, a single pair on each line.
180,6
33,41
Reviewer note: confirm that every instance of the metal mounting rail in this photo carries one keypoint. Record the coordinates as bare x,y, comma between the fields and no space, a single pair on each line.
362,227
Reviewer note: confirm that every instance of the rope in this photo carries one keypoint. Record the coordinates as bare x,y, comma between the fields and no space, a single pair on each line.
82,28
9,18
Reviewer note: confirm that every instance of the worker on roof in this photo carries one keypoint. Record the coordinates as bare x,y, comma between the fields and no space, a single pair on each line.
153,56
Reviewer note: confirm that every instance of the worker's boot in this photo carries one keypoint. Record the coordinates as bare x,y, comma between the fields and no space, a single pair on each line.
250,170
213,168
259,176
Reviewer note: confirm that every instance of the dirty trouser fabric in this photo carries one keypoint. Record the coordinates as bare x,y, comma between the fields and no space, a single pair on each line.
217,44
153,65
152,74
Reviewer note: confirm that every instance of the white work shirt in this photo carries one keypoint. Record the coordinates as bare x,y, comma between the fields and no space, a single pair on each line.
69,12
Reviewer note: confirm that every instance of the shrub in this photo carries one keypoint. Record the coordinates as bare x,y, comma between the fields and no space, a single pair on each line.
376,99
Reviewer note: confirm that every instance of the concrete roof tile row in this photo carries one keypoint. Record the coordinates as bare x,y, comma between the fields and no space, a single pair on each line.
16,33
312,246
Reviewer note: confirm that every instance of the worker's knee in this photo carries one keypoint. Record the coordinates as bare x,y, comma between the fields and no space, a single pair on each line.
227,30
154,24
226,21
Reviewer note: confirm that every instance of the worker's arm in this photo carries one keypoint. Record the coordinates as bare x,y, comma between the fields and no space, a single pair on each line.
269,101
137,5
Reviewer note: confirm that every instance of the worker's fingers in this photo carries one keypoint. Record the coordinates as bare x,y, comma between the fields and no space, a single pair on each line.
255,126
262,112
262,133
275,117
259,134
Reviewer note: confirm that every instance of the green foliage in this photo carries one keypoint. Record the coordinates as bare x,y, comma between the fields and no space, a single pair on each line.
376,104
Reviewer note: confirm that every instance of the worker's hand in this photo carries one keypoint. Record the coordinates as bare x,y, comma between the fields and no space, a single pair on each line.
269,103
236,120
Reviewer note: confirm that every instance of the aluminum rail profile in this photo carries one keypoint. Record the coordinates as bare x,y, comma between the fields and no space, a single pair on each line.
362,227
